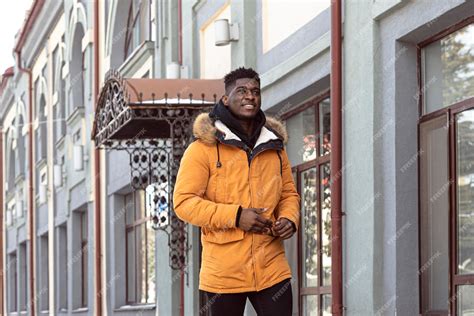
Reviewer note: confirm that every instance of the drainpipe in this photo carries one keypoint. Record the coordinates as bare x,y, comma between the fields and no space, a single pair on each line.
180,62
97,195
31,187
180,32
2,218
336,157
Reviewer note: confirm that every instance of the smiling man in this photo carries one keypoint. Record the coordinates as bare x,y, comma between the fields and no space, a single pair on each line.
235,182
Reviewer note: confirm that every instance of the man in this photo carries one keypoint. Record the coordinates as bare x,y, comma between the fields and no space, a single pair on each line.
235,182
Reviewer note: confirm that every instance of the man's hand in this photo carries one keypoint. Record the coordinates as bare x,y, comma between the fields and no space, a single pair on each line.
252,221
284,228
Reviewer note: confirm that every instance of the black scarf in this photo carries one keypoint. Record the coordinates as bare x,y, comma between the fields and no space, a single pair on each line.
221,112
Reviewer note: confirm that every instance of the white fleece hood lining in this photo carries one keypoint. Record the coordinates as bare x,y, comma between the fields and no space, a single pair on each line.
265,136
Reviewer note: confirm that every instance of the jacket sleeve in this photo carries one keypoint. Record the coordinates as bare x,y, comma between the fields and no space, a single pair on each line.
289,205
188,196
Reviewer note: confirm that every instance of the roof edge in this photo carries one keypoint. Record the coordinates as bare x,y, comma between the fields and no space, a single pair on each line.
28,24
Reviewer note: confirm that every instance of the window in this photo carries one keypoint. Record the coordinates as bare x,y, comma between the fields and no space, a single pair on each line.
85,78
140,251
215,60
12,292
135,26
62,265
42,291
76,88
22,277
448,70
309,152
59,89
434,236
20,148
446,172
79,261
281,18
41,131
84,258
54,74
20,202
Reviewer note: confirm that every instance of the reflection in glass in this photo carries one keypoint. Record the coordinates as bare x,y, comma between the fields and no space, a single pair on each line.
310,305
326,223
302,137
465,296
465,190
85,256
309,227
326,307
150,260
448,70
140,256
325,127
434,215
131,266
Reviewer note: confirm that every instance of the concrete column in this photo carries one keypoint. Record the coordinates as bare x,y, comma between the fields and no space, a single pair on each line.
362,260
244,51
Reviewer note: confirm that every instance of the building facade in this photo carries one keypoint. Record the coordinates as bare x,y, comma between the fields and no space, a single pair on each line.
408,122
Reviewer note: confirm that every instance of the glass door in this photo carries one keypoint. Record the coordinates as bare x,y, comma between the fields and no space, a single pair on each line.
463,279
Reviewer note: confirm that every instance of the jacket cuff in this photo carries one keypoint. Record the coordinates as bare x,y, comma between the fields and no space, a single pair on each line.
237,217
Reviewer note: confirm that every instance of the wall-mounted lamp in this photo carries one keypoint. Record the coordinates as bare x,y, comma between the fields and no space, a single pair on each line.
79,157
225,32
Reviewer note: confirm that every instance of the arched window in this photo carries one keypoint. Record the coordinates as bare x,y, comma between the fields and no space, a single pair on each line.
41,136
20,147
59,118
10,161
76,88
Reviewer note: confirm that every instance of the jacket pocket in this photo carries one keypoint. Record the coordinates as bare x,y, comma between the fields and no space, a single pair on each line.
218,181
223,236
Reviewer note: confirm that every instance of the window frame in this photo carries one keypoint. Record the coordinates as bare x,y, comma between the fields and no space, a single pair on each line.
12,284
135,225
133,18
317,163
450,112
84,221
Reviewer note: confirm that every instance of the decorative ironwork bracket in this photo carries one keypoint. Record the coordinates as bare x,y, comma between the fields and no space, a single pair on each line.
154,132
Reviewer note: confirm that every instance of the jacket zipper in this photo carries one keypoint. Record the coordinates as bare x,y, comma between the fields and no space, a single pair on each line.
251,246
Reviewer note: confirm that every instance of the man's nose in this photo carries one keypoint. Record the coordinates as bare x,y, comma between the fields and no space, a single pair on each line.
249,95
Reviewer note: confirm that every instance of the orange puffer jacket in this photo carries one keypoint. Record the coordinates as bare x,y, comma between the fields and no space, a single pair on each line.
218,173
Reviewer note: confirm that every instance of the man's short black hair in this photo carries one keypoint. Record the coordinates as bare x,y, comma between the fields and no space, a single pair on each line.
239,73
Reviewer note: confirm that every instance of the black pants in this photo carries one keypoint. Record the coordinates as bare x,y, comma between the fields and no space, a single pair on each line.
273,301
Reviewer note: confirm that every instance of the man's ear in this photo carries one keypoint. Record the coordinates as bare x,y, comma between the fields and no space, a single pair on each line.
225,100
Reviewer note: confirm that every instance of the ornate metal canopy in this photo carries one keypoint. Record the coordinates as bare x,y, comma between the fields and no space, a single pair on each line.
151,119
138,108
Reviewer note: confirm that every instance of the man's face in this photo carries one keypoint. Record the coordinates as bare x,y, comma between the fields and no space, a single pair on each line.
244,99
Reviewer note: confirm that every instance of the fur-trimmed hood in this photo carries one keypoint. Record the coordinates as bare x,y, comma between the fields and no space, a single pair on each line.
204,128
